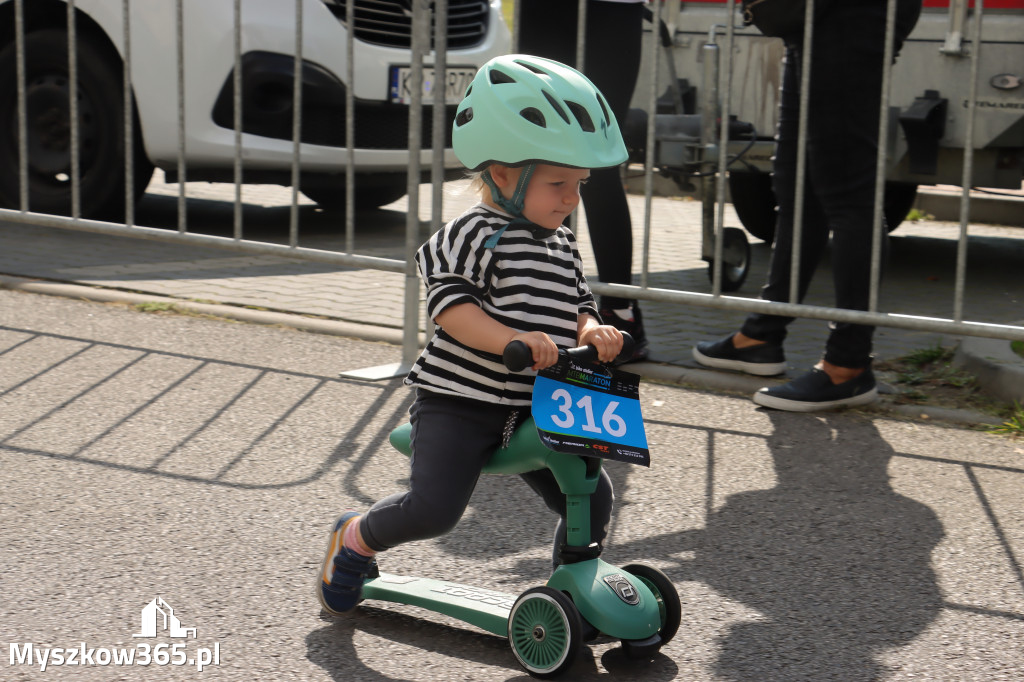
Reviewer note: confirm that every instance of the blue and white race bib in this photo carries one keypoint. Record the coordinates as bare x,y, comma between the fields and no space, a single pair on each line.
587,409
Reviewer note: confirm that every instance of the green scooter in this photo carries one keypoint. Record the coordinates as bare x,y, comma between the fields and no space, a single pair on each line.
585,596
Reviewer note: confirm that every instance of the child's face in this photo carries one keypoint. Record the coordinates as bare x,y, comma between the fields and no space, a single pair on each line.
553,192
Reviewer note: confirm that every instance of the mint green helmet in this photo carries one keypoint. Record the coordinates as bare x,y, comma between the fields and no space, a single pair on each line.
521,109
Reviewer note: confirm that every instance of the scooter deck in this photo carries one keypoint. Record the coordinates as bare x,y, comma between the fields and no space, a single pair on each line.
486,609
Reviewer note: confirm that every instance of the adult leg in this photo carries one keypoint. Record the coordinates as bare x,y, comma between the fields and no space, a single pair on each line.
842,151
842,145
548,29
845,99
814,232
612,61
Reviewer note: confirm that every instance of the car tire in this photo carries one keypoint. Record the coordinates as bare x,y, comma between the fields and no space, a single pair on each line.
102,168
331,196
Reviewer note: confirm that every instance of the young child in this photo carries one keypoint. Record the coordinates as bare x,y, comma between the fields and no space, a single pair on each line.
504,270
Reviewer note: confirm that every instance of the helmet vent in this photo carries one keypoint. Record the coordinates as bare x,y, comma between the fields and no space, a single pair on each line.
555,105
533,67
464,116
534,116
582,116
604,109
498,77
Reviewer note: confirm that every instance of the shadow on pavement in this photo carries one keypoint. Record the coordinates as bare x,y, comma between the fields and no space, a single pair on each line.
332,648
836,562
173,378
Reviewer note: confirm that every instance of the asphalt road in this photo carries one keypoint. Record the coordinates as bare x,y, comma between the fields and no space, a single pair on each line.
202,462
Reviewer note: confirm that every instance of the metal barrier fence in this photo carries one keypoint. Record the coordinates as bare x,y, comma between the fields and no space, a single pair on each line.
712,151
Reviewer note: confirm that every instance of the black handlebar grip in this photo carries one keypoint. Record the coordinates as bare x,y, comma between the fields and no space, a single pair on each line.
627,347
517,356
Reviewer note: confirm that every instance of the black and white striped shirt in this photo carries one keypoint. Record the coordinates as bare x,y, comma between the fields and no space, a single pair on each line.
532,280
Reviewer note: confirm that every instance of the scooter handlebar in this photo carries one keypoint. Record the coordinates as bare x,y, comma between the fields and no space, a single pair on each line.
517,355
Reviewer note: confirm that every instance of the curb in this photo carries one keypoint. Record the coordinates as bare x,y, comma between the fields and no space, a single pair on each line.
993,209
741,383
995,364
651,371
365,332
1005,207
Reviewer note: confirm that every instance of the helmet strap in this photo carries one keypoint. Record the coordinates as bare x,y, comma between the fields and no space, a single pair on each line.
513,205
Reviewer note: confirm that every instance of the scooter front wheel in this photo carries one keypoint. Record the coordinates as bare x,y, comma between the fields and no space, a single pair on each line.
668,600
545,631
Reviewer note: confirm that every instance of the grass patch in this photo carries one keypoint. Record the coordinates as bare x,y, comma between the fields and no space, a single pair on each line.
1014,424
916,215
927,376
170,308
157,307
1017,347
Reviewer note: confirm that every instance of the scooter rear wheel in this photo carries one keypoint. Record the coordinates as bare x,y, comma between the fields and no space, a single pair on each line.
545,631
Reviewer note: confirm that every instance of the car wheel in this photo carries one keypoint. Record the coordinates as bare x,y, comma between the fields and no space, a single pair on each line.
48,114
331,196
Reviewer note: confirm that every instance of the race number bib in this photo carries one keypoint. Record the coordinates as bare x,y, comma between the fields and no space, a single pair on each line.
586,409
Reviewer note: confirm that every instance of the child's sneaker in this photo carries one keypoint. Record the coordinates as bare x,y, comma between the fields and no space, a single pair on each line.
340,584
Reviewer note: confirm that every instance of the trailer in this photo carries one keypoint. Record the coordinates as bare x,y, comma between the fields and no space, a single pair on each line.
937,86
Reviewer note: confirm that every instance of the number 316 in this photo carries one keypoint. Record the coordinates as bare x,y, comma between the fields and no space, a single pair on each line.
613,423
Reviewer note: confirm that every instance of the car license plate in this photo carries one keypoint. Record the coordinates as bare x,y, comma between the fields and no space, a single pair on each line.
456,80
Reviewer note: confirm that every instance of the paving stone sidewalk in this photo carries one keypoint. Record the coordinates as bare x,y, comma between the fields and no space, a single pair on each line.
919,280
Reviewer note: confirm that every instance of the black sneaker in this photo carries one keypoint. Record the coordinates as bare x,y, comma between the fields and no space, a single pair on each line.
634,328
764,360
815,391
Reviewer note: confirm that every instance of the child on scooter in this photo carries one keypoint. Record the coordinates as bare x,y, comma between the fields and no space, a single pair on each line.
504,270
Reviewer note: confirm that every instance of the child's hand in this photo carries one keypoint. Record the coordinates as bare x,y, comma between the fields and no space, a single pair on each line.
605,338
544,350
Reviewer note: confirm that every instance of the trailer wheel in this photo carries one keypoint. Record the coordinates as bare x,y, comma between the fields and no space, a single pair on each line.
735,259
754,202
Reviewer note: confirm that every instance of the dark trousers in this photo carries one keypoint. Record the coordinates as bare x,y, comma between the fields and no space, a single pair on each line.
842,145
452,439
612,61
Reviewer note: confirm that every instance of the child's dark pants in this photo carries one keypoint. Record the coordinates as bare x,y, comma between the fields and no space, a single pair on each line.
452,439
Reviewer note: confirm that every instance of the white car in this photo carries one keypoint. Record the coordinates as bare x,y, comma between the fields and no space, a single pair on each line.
476,32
